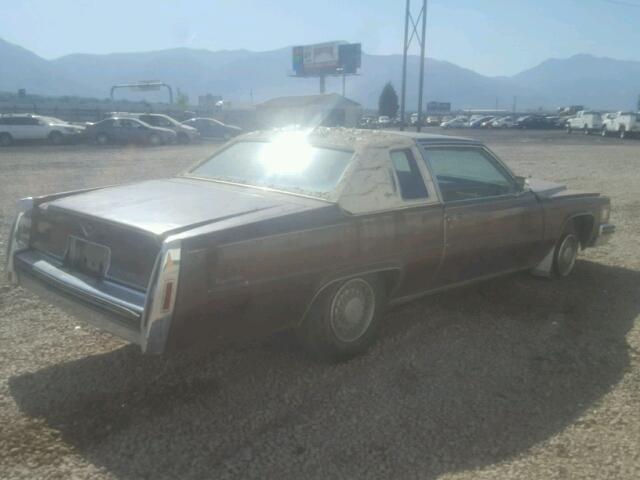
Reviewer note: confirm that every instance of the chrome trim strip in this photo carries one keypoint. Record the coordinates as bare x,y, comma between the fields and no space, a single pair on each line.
24,206
415,296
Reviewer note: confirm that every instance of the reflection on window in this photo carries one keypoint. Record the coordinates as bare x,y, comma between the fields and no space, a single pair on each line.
285,164
468,173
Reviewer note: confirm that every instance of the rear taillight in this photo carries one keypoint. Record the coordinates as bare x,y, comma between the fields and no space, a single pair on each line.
162,298
167,284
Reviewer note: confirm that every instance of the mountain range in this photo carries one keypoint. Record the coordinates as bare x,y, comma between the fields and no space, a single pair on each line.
245,76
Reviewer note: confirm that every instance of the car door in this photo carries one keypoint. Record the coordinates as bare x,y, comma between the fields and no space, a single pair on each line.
133,131
491,225
21,128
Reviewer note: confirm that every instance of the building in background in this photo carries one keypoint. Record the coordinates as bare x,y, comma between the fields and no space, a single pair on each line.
309,110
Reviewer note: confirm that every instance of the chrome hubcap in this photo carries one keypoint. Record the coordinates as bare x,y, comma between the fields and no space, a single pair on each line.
567,254
352,310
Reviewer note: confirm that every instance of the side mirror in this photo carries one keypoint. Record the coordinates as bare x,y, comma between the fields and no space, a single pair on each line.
522,183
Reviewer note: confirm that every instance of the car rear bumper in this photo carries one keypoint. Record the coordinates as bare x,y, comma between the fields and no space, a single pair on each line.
111,307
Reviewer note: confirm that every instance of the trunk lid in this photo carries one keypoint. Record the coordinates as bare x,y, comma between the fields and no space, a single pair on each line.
132,220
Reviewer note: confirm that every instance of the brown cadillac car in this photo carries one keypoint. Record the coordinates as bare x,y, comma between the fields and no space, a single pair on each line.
313,231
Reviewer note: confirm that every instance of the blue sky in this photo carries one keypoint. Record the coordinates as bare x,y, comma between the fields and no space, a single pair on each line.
493,37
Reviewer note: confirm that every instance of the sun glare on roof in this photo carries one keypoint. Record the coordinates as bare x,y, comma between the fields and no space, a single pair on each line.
288,153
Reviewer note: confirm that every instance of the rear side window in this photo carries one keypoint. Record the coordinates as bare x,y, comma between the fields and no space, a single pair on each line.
412,185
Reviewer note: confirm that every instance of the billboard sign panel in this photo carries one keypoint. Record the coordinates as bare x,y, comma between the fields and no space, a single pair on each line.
145,86
329,58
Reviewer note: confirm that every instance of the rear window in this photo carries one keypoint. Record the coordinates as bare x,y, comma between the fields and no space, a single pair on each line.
288,164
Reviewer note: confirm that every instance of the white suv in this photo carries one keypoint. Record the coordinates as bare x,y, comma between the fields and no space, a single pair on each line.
36,127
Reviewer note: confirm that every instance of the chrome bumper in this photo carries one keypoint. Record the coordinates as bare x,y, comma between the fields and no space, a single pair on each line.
110,307
122,311
605,231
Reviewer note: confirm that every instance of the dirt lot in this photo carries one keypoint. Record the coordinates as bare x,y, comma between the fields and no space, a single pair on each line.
515,378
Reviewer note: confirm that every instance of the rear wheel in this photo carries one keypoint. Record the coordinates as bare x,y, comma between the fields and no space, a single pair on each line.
604,132
56,138
586,130
569,130
344,319
183,138
6,139
102,139
154,139
566,252
622,133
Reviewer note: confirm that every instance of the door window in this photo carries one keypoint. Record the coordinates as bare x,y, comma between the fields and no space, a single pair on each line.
412,185
468,173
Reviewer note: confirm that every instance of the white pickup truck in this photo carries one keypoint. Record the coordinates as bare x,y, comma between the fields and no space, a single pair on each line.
623,124
585,122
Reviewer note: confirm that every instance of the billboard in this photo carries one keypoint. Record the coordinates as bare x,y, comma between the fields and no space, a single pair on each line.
330,58
145,86
439,107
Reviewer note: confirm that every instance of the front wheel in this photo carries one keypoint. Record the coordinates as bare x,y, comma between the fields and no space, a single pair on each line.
102,139
343,321
622,133
569,130
56,138
566,252
586,130
154,139
603,132
6,139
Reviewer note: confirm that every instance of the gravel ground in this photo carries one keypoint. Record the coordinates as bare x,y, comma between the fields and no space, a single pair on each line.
515,378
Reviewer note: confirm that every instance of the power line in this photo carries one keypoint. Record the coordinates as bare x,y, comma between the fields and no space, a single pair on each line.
622,3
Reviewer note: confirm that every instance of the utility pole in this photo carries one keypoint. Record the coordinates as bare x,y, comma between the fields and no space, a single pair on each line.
421,39
344,85
323,87
403,90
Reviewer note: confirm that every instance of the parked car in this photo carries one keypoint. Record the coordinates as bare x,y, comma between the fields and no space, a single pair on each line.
433,120
477,122
184,133
533,122
212,128
503,122
557,121
457,122
584,121
312,232
128,130
367,122
36,127
384,120
623,124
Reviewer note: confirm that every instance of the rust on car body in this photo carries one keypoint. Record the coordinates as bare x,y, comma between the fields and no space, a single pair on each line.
219,258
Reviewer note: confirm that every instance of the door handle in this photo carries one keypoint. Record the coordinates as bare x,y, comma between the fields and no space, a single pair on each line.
453,217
